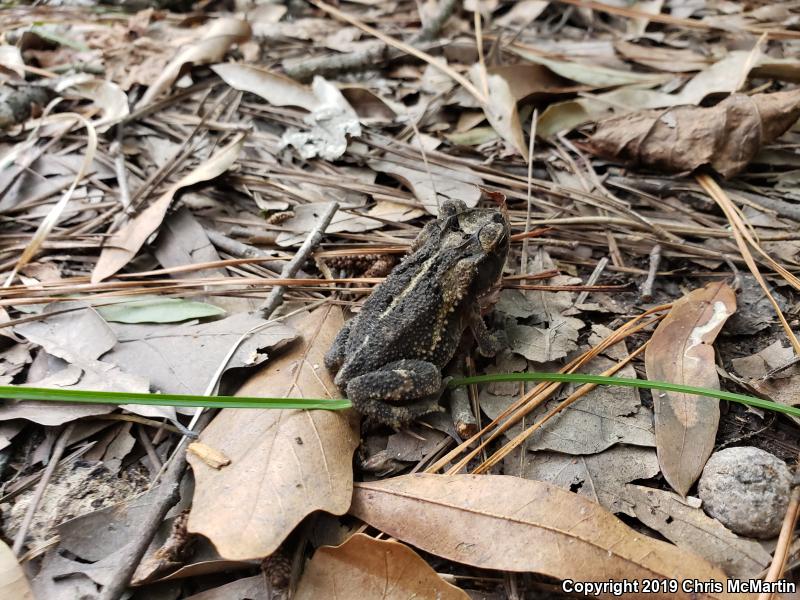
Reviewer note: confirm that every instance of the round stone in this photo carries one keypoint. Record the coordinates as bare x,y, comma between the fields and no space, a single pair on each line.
747,490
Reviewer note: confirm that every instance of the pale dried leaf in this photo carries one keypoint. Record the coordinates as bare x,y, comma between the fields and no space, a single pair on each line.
522,13
592,75
501,108
543,344
126,242
217,39
180,359
364,567
783,384
331,122
491,521
526,81
275,88
680,351
662,58
13,583
54,213
11,62
79,336
691,529
247,587
106,95
725,75
211,456
285,464
605,416
434,184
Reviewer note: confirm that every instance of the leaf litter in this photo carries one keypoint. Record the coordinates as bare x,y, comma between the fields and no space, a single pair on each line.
220,141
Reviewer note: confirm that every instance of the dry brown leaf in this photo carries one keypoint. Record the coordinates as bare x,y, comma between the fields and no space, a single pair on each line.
680,351
433,184
527,81
690,528
511,524
13,583
364,567
11,62
501,109
54,213
285,464
107,96
220,35
276,89
783,383
726,136
662,58
124,245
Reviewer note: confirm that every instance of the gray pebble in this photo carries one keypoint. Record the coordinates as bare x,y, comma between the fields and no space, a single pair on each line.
747,490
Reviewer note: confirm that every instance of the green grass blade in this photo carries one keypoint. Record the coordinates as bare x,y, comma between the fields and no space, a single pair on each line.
626,382
182,400
187,400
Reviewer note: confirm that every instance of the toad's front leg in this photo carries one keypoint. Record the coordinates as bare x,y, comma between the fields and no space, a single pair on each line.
397,393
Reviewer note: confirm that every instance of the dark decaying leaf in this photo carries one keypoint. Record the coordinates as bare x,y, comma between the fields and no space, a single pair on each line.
725,137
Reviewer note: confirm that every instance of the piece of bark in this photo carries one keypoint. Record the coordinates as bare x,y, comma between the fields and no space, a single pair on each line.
682,138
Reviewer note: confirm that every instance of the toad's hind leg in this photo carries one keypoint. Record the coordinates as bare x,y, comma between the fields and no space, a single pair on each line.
399,382
397,417
398,393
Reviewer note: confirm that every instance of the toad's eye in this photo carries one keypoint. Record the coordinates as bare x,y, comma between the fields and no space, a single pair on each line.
491,235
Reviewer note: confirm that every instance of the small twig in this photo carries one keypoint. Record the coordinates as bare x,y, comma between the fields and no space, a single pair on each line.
784,541
58,451
404,47
647,286
593,278
242,250
290,269
149,449
119,168
164,497
531,141
305,68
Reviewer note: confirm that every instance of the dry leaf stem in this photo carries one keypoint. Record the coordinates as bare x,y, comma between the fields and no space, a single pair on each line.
528,402
55,457
519,439
743,237
784,541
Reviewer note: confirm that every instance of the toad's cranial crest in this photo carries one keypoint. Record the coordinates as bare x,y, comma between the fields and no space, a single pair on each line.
389,358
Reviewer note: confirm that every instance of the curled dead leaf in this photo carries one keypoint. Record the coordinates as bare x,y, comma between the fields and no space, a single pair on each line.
725,137
126,242
211,456
680,351
220,35
501,108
